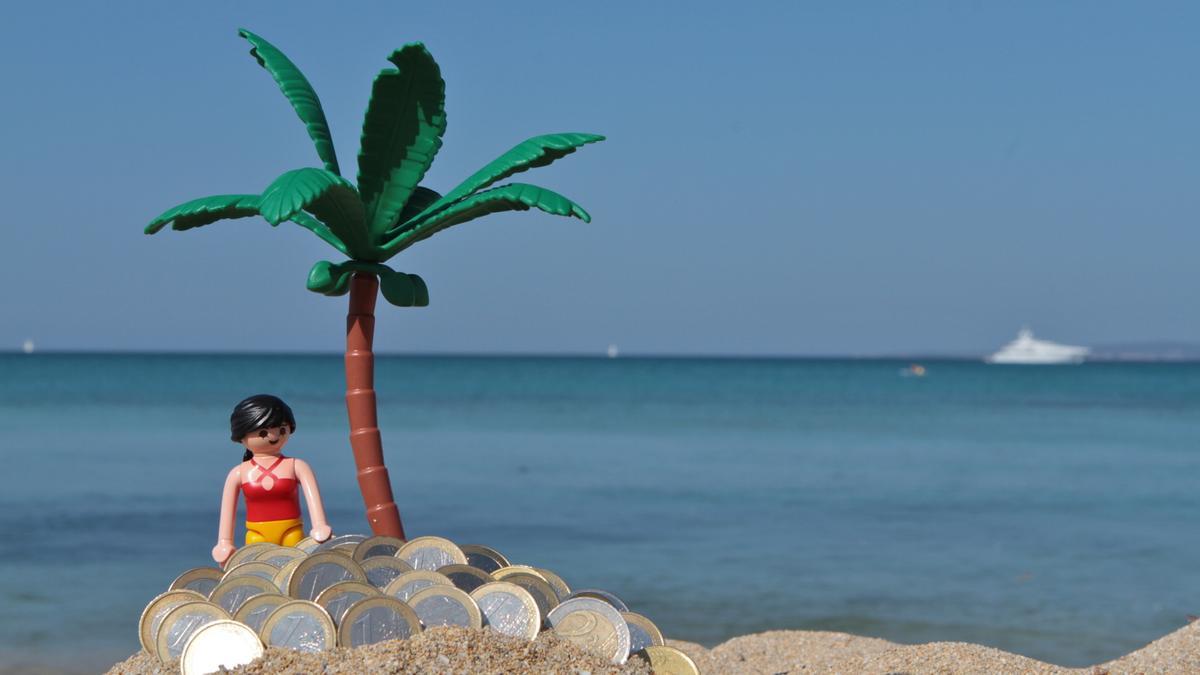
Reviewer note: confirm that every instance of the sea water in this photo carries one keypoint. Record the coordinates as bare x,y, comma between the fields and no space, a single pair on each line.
1049,511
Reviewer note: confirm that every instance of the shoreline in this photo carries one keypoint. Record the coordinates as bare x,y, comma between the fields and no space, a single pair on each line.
766,653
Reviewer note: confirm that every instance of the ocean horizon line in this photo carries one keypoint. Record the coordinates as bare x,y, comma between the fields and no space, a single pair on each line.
573,355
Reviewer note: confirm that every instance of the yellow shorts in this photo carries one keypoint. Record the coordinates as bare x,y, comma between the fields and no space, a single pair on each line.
283,532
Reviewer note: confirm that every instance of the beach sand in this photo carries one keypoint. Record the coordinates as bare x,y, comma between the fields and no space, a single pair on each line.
460,650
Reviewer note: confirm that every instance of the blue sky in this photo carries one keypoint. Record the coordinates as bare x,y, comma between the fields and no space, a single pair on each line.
780,178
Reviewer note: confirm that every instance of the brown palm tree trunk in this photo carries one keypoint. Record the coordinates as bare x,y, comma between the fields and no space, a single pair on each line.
365,439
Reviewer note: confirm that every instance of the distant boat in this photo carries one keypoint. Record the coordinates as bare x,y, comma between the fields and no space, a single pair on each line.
1028,350
27,346
915,370
613,351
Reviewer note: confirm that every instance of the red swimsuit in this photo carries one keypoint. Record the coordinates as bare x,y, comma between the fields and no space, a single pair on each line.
281,502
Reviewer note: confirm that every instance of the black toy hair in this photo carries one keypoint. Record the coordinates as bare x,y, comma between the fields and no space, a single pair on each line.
259,412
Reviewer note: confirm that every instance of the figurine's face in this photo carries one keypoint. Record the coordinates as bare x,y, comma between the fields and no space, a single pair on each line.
268,441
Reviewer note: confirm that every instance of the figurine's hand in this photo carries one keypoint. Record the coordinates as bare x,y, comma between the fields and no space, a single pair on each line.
222,551
320,532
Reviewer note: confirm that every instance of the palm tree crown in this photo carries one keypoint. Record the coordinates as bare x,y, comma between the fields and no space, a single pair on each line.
388,211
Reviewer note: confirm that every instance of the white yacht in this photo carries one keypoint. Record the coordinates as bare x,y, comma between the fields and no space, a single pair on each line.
1028,350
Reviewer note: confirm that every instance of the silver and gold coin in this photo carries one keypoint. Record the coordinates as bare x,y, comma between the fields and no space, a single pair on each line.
381,570
537,587
485,558
277,558
179,624
233,591
642,632
333,542
219,646
611,599
508,609
407,584
156,610
255,610
561,589
199,579
284,576
301,625
504,572
337,598
320,571
670,661
377,546
445,606
430,553
248,552
466,577
346,549
594,625
376,619
251,567
307,545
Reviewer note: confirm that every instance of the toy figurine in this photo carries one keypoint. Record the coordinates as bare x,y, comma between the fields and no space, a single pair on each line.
264,424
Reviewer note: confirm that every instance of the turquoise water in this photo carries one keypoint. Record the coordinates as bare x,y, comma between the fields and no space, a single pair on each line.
1046,511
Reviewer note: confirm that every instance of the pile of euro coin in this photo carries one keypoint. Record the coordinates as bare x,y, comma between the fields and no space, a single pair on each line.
354,590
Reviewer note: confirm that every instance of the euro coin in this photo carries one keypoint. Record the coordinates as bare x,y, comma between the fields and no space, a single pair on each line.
377,546
284,576
277,558
381,570
593,625
320,571
561,589
233,591
543,594
219,646
670,661
157,610
333,542
508,609
307,545
642,632
445,606
301,625
179,624
337,598
602,595
200,579
465,577
504,572
484,557
430,553
255,610
407,584
253,568
248,552
376,619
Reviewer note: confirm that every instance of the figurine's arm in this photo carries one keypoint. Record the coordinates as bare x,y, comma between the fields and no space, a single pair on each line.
312,496
225,547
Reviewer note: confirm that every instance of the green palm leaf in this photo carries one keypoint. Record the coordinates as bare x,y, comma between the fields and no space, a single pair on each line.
402,132
207,210
299,92
421,198
327,196
511,197
529,154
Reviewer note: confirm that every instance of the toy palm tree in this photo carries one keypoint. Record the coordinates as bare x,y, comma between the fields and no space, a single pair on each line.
386,213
